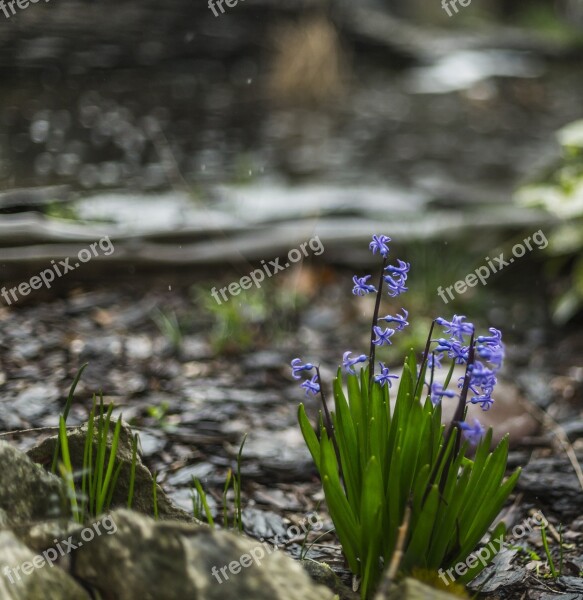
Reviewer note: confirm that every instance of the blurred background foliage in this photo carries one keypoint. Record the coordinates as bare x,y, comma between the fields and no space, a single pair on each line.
300,115
560,192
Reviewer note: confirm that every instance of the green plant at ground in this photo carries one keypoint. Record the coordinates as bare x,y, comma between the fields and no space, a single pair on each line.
552,567
200,502
159,413
169,326
101,467
384,467
236,323
66,411
241,322
548,554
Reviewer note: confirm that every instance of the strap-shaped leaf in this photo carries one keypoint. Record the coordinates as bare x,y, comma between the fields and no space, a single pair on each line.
349,455
309,435
445,536
370,518
473,572
417,550
486,515
393,501
346,523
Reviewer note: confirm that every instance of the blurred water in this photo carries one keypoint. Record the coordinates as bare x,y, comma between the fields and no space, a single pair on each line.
481,118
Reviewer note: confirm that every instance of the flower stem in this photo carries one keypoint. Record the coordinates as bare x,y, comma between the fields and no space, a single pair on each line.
425,357
375,317
328,423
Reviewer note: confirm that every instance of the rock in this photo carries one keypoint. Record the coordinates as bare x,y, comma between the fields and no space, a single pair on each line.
551,480
322,573
143,497
28,493
148,560
44,582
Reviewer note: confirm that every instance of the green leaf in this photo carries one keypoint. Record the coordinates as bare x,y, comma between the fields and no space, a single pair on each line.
349,452
111,463
347,527
370,518
474,571
421,530
68,404
205,504
309,435
67,469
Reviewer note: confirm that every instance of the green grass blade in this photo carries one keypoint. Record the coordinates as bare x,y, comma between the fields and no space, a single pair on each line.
68,404
112,487
110,465
67,470
135,441
205,504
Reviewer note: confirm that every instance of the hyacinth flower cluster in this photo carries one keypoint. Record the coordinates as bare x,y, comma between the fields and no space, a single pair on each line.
390,465
482,377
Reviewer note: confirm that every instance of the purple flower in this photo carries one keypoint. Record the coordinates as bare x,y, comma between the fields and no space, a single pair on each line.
361,288
485,400
456,327
395,286
384,378
491,354
379,244
311,385
401,270
454,350
437,393
348,362
491,348
480,376
494,340
297,367
434,360
383,337
400,320
472,434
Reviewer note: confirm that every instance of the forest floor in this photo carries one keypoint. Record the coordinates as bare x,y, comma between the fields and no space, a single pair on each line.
194,390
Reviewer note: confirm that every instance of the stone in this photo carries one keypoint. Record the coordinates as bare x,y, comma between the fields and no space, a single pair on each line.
35,582
149,560
28,492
